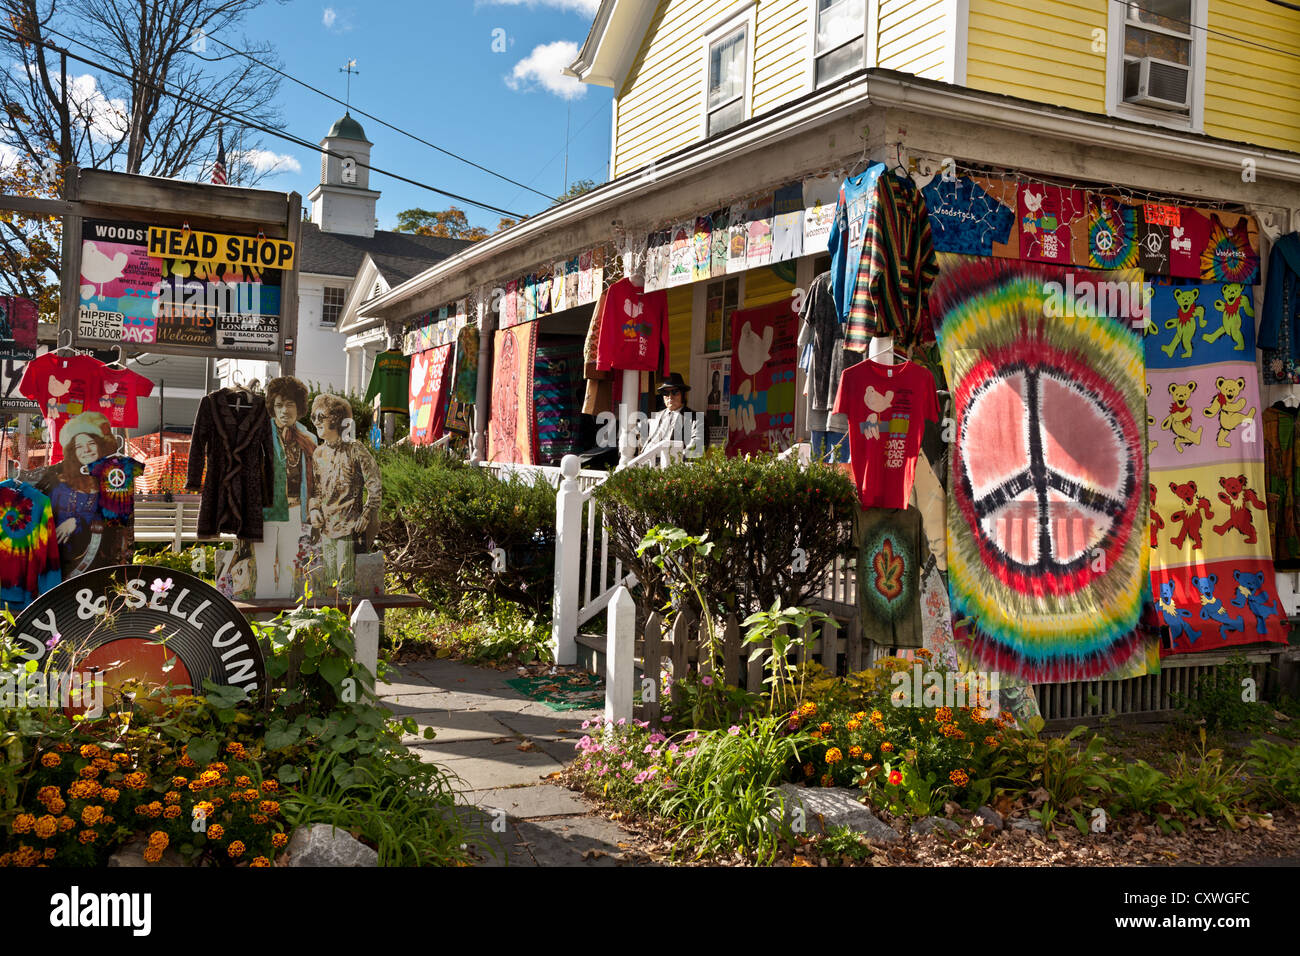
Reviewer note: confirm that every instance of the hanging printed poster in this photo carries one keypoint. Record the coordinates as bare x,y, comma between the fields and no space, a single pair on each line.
465,377
1052,219
761,408
717,377
559,287
787,223
739,232
703,247
511,428
1047,551
720,242
571,283
758,246
681,255
1211,554
585,294
430,371
820,194
17,328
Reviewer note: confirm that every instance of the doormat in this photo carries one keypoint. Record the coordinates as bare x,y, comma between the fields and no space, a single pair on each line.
577,691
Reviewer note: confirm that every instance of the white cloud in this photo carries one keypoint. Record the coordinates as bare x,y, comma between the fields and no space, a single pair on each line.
328,17
107,118
586,7
265,161
543,68
335,20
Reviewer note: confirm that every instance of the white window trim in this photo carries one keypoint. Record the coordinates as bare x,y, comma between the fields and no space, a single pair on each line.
870,29
1115,106
957,39
743,14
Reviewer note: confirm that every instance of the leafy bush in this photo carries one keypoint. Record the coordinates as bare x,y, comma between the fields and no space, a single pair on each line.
1276,767
1217,701
718,788
161,555
443,520
478,628
775,526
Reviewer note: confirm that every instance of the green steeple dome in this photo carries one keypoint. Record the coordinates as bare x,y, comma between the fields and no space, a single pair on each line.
347,128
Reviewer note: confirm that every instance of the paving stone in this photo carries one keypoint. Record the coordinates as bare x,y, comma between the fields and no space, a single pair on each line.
987,816
826,807
322,845
523,803
406,682
482,765
457,725
573,841
1026,823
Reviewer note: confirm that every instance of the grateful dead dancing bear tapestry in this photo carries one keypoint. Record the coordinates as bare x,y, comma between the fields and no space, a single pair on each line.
1047,528
512,433
1211,558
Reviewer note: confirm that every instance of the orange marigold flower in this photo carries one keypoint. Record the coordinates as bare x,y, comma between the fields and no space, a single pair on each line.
216,831
944,715
834,755
866,757
243,781
51,760
236,849
279,840
860,715
807,709
135,781
170,797
852,725
887,747
990,741
46,794
261,819
270,785
103,763
269,806
816,735
90,751
209,777
56,806
205,807
171,813
808,770
63,748
959,778
977,715
66,823
260,861
46,827
250,795
159,838
826,727
924,653
152,854
877,716
23,823
855,751
122,758
186,762
218,766
179,782
90,815
827,780
50,853
87,837
88,772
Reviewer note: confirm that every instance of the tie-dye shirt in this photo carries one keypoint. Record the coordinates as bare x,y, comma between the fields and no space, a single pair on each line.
29,550
116,475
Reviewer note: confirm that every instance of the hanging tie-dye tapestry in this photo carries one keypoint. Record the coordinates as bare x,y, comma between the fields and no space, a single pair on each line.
512,432
1047,553
1211,561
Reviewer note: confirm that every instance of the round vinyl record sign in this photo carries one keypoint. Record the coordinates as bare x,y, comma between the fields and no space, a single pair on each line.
151,624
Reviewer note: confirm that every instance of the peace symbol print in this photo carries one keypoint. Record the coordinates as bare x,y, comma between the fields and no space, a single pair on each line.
1047,461
116,478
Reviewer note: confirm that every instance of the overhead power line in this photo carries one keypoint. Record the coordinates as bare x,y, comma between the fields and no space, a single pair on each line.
218,110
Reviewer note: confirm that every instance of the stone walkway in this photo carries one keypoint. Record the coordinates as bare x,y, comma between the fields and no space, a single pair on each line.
481,725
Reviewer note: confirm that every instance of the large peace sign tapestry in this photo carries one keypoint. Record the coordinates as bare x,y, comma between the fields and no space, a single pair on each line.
1046,529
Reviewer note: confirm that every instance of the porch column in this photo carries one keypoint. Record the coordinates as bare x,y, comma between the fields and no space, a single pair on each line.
486,325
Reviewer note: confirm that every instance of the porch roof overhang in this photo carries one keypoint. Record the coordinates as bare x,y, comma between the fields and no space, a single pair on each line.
613,42
824,130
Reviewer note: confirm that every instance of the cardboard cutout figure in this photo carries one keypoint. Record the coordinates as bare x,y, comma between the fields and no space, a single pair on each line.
283,554
344,507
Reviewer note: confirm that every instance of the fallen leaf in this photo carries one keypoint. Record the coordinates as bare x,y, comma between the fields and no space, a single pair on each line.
594,854
801,861
502,740
1278,715
527,746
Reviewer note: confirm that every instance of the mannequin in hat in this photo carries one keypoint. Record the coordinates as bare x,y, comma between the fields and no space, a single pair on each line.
676,421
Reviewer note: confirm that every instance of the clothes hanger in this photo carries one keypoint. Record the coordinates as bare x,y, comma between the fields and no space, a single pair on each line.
61,347
118,363
903,172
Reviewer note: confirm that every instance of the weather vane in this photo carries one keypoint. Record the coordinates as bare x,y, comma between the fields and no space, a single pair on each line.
348,68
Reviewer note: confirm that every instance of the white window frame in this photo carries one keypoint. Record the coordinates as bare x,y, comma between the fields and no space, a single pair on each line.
334,326
869,31
743,15
1194,121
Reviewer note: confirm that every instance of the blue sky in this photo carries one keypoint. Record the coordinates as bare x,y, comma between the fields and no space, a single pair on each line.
430,67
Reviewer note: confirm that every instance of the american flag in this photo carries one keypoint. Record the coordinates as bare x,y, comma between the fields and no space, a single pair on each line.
219,168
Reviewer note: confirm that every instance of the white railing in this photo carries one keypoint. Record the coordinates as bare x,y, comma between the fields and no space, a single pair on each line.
586,573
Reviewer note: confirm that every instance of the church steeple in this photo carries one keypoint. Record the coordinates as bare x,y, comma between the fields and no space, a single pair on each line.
343,200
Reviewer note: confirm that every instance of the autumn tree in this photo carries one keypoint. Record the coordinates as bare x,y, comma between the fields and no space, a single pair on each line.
95,119
448,223
575,190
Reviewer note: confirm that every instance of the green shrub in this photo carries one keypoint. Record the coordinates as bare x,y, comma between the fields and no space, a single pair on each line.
776,526
162,556
477,629
1217,700
1276,767
442,520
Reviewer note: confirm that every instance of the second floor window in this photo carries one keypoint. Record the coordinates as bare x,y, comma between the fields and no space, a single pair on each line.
726,92
1158,59
332,307
840,44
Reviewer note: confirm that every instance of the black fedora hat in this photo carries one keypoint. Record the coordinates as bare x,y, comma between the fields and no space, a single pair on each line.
674,381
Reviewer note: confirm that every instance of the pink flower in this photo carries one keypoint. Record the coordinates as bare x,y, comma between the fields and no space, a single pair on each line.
54,640
161,587
649,749
690,753
622,721
665,720
672,748
643,724
706,680
585,742
586,724
691,736
657,738
639,778
733,730
626,765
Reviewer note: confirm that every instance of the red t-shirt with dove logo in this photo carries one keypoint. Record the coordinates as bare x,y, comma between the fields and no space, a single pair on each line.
64,386
887,407
633,329
120,389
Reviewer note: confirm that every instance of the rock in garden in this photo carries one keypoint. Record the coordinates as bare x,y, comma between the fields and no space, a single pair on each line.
132,854
322,845
930,824
826,807
988,817
1027,824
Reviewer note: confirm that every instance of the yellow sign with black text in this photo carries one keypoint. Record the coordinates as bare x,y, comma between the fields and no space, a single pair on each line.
194,246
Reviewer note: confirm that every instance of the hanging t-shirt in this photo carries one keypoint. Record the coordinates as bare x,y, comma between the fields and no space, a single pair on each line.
116,475
1051,219
964,218
120,390
887,408
1187,241
63,385
850,225
29,550
1154,222
633,329
391,381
